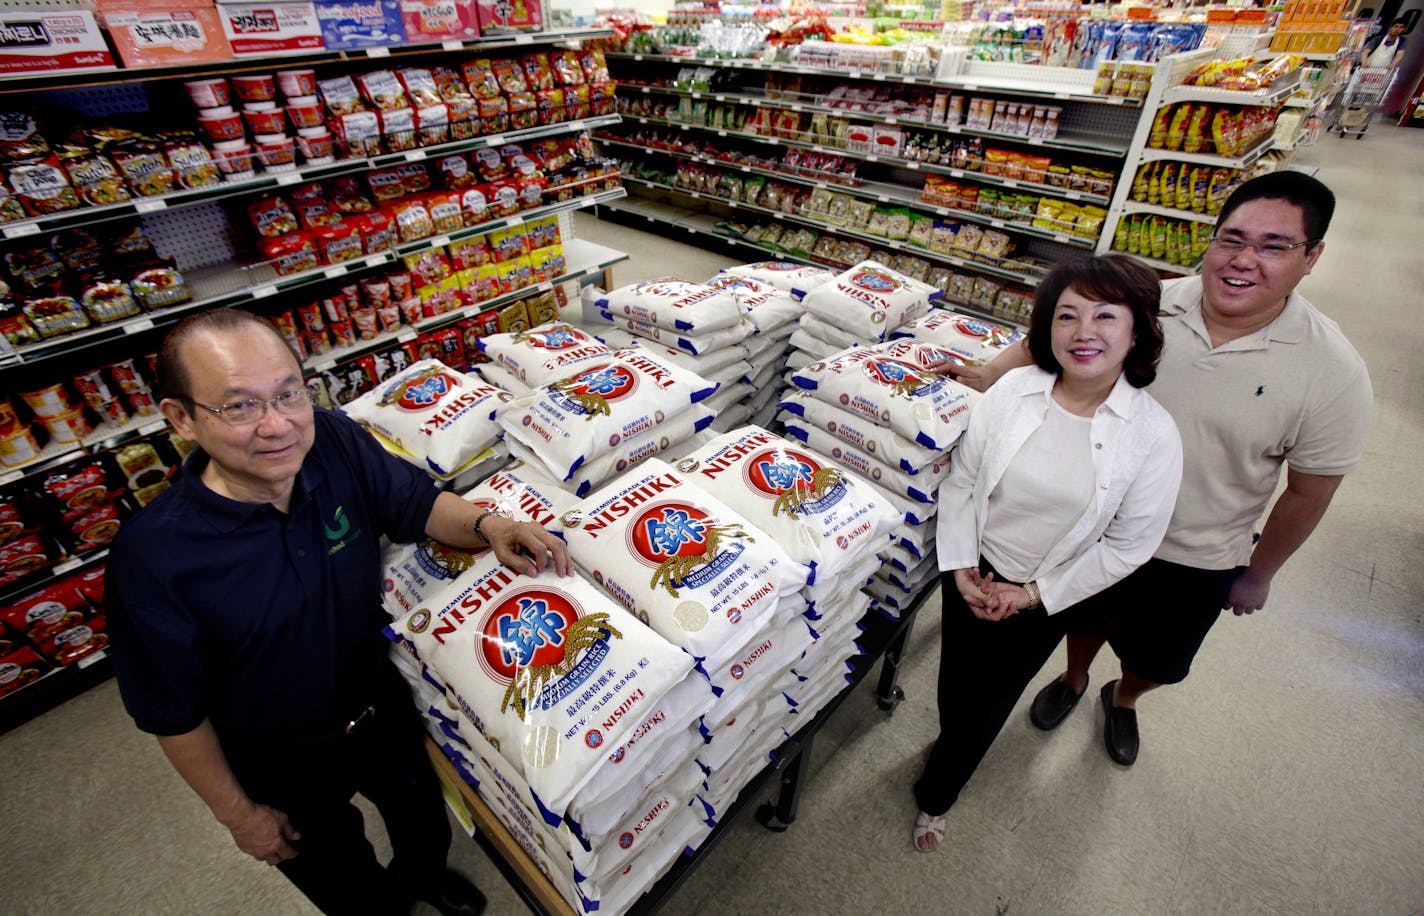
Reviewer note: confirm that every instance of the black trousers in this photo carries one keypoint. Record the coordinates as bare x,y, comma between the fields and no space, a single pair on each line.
983,669
383,759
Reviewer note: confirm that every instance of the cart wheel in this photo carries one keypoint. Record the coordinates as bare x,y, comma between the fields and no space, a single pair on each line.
888,704
766,816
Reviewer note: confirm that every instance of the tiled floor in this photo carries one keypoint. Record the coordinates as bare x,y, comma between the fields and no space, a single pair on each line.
1284,776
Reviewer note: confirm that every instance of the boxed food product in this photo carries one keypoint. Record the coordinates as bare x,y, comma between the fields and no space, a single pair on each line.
162,33
509,16
352,24
52,41
259,29
439,20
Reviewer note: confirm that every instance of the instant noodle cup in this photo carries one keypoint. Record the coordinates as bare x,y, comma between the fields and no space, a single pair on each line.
70,426
9,422
548,669
114,412
256,87
142,403
221,124
305,111
702,575
92,387
276,153
50,401
364,320
234,159
343,333
296,83
18,446
264,118
209,93
317,145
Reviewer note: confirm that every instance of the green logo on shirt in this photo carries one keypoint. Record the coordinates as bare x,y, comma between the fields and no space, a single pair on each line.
337,532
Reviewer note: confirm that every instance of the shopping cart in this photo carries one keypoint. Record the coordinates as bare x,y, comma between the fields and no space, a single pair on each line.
1362,97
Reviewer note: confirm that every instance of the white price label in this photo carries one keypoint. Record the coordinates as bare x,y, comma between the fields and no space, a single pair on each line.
818,149
515,221
406,337
970,87
720,98
697,95
872,158
1116,100
452,44
646,90
721,133
913,165
1011,182
67,456
756,103
1035,141
22,230
545,287
911,80
880,76
821,185
576,126
1062,95
956,173
685,126
331,273
378,52
892,121
694,193
637,57
523,39
883,199
746,168
325,366
151,205
440,241
996,223
1073,195
93,658
262,292
287,178
495,140
773,141
149,429
942,211
1058,237
856,75
68,565
415,155
138,327
795,107
375,259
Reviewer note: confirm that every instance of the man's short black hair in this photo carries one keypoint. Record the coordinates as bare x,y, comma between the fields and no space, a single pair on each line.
1315,200
1115,278
173,379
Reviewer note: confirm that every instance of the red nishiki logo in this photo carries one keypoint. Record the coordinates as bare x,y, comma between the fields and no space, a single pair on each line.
669,531
557,339
874,280
424,393
894,373
973,327
526,630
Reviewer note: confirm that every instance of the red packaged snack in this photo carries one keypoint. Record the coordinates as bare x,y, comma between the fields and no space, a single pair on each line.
79,487
415,178
531,191
595,65
12,523
364,320
90,584
520,163
537,71
445,210
42,187
312,190
411,309
567,70
449,83
20,669
432,124
463,123
316,213
510,76
143,166
376,292
419,86
348,196
96,528
412,219
94,177
455,172
428,267
193,166
40,614
272,217
474,204
343,333
333,308
523,111
359,134
76,642
318,344
481,79
402,284
382,90
385,185
552,108
22,557
471,252
602,98
503,198
398,130
377,230
393,360
578,101
291,253
337,243
493,115
310,316
490,164
444,345
389,317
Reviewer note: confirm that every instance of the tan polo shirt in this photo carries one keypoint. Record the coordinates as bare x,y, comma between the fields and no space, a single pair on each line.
1294,391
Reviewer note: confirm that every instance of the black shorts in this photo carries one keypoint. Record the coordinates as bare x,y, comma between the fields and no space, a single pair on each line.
1158,616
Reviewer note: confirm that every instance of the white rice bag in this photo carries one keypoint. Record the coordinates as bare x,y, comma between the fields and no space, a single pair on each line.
727,396
674,305
879,384
415,572
797,279
732,417
431,415
822,594
596,817
730,374
806,342
657,740
684,562
973,340
569,422
918,539
547,668
870,300
544,354
739,680
697,344
922,487
842,339
500,377
623,339
798,359
768,308
891,447
822,516
772,346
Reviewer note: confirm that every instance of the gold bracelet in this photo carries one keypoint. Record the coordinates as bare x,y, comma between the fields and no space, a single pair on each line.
1034,600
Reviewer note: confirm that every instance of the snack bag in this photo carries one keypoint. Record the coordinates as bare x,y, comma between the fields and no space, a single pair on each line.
1197,125
1177,130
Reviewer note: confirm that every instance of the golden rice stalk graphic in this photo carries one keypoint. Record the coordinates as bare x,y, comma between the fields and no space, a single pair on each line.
581,636
906,387
671,572
793,499
592,404
449,558
398,391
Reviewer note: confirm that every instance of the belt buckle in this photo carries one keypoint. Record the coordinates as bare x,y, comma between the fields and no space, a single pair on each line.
355,723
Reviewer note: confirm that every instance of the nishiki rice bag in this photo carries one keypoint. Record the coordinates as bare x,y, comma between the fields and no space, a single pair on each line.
431,415
882,385
698,344
870,300
824,517
922,487
544,354
797,279
674,305
623,339
768,307
569,422
891,447
548,668
700,574
973,340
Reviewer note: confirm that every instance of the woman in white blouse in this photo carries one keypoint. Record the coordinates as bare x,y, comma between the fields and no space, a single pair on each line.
1063,484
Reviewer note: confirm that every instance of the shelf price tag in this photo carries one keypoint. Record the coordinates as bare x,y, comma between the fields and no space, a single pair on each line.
879,76
796,107
1073,195
22,230
331,273
720,98
1059,237
637,57
746,168
956,173
694,193
544,286
378,52
883,199
970,87
997,223
512,221
10,477
912,165
152,205
576,126
721,133
872,158
1011,182
452,44
856,75
325,366
440,241
68,566
495,140
287,178
262,292
93,658
406,337
522,39
892,120
1035,141
139,326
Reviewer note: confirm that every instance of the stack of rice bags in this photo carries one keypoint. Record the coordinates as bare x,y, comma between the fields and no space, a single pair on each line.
599,412
968,340
438,418
881,412
831,523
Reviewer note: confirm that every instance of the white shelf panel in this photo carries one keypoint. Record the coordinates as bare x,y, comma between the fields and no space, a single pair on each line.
1246,160
1137,206
1277,92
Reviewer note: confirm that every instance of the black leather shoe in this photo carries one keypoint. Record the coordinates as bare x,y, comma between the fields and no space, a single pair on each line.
1053,704
1120,731
454,895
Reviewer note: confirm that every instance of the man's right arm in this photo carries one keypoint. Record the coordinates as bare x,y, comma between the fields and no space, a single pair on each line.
262,832
981,377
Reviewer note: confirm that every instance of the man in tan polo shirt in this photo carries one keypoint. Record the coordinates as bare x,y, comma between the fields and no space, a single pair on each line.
1255,377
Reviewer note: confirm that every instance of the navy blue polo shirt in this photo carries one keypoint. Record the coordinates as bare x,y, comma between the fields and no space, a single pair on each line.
266,623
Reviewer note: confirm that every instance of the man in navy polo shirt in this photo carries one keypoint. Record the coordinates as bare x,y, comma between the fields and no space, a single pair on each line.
246,622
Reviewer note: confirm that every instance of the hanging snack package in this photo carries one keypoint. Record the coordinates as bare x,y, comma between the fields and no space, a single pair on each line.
547,668
431,415
568,422
822,517
886,385
870,299
674,305
704,577
544,354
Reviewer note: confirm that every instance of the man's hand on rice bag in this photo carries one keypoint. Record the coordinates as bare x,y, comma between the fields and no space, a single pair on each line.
526,547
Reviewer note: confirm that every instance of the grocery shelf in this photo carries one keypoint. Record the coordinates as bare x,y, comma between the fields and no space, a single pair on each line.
32,82
582,259
1244,161
1274,94
53,689
1138,206
62,568
52,455
229,284
879,192
694,223
275,180
1166,266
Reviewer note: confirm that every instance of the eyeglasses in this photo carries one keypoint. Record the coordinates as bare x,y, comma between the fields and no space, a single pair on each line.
240,413
1269,250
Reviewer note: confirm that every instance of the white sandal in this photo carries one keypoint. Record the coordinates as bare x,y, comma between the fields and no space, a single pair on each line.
928,826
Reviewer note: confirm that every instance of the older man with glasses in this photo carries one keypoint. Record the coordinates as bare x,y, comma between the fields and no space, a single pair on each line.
1255,377
246,622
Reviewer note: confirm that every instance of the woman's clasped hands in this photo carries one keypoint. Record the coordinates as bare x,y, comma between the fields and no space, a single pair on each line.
987,599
